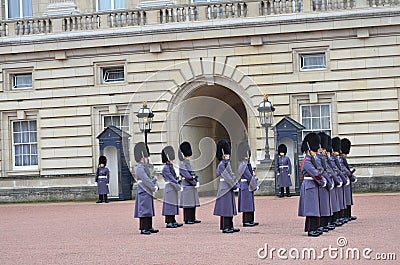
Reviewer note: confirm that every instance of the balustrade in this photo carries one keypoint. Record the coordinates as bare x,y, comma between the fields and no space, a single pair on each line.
176,14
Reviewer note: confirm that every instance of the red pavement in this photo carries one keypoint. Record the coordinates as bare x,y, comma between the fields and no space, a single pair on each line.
90,233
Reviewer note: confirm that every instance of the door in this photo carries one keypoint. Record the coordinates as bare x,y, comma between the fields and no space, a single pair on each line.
112,163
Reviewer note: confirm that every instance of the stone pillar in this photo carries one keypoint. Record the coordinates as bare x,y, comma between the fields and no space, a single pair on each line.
57,24
253,9
361,4
12,28
104,21
152,16
203,13
307,7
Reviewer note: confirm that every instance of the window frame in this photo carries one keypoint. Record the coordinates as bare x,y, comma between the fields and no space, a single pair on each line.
13,79
112,6
126,116
13,152
307,130
21,10
302,58
111,68
299,52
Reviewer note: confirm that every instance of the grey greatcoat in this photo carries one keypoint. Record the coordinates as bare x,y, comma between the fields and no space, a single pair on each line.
335,180
309,201
172,187
283,170
225,204
339,189
102,178
348,191
189,194
144,205
325,205
247,188
346,182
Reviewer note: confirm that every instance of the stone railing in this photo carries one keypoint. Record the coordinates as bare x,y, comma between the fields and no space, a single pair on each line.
325,5
376,3
176,14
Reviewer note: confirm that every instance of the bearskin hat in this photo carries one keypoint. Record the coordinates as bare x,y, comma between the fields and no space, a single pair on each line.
328,144
304,146
223,148
185,149
140,151
243,151
336,144
312,142
103,160
345,146
167,154
282,149
324,139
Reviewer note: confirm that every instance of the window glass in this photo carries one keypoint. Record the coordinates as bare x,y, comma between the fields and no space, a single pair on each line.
119,121
19,8
312,61
113,74
316,118
110,4
21,81
25,143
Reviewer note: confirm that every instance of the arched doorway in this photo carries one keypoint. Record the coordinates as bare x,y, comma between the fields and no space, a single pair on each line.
211,113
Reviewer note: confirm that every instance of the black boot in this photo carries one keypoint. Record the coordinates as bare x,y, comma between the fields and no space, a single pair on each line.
100,200
288,192
105,198
282,194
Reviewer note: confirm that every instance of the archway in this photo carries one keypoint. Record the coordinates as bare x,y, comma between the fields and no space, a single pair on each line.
213,112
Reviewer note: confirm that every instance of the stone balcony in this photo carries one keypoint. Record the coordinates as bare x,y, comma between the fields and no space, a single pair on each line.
200,12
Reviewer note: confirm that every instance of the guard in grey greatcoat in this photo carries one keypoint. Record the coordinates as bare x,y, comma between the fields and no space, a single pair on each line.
336,180
225,205
147,185
102,179
325,202
190,183
345,148
283,170
336,146
248,184
172,187
312,179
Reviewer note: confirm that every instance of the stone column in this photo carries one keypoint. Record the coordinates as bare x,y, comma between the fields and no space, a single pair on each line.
307,6
253,9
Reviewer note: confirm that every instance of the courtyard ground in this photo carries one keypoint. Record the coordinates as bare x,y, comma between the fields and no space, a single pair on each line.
90,233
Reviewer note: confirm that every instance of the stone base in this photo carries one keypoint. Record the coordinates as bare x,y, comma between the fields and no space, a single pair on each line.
79,193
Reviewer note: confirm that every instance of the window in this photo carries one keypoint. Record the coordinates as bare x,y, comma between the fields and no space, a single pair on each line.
18,8
119,121
316,118
21,81
24,139
316,61
110,4
113,74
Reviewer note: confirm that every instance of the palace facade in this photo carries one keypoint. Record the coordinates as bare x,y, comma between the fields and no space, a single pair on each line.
69,69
